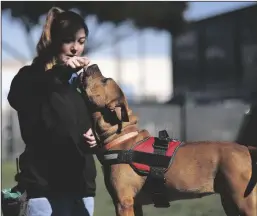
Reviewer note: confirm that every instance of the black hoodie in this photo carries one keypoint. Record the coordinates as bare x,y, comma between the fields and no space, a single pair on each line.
53,117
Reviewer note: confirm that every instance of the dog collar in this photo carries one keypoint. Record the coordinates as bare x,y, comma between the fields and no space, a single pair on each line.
120,140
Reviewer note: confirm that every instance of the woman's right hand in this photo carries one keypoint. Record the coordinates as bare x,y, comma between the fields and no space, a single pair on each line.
77,62
90,138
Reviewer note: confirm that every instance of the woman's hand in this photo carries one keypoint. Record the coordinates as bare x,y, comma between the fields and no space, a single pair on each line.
90,138
77,62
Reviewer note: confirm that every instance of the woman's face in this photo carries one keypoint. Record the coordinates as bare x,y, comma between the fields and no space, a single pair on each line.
72,45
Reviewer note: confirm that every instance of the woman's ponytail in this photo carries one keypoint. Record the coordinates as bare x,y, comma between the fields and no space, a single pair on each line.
45,38
44,43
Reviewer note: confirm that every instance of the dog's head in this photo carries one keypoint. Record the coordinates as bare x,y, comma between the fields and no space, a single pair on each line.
104,93
106,101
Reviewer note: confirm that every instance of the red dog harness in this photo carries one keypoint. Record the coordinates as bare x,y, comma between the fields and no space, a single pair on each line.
150,157
147,147
142,156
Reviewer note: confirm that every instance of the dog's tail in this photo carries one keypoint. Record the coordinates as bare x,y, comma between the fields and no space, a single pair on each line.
253,180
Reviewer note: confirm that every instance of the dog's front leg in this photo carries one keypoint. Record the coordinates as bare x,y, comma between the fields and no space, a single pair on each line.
125,185
125,206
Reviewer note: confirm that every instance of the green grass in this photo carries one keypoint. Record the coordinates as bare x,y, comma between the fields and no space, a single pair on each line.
208,206
8,172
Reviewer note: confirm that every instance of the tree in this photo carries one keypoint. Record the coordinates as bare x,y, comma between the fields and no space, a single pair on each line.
108,18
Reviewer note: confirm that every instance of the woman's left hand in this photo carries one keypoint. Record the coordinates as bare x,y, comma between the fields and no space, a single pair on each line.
90,138
77,62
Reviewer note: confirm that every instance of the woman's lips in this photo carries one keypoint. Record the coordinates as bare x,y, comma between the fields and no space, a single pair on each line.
71,56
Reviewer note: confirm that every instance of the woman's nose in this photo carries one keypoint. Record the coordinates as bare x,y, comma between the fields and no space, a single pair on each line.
73,50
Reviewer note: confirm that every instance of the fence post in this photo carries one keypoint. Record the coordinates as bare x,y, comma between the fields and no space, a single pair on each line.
183,118
10,136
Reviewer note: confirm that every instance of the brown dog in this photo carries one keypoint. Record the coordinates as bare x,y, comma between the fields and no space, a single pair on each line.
199,168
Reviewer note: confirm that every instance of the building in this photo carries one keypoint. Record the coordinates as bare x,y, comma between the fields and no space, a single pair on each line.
217,57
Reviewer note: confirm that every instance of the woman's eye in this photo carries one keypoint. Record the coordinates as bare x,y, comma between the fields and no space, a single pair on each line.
82,42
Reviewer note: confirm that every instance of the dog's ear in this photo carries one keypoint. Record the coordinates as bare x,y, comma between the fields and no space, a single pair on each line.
121,109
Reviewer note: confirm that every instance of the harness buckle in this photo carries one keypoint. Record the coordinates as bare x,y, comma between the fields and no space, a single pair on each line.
163,135
161,144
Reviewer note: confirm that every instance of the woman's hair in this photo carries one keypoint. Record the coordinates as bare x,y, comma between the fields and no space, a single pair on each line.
58,23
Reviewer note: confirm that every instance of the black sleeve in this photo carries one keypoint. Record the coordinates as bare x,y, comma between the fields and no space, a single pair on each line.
21,89
26,96
30,85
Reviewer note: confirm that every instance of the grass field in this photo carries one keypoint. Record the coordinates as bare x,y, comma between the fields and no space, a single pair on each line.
208,206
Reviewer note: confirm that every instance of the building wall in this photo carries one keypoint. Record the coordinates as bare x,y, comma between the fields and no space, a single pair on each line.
218,55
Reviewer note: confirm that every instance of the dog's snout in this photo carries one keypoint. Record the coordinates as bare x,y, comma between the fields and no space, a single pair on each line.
89,72
92,70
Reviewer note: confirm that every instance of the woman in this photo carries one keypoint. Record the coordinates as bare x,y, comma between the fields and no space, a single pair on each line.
57,167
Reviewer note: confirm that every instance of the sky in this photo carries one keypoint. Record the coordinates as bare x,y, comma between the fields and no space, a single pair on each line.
153,43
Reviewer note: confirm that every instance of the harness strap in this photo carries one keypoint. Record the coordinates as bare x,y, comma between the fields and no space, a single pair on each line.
156,175
129,156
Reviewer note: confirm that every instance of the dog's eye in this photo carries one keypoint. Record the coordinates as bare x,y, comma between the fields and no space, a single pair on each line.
104,81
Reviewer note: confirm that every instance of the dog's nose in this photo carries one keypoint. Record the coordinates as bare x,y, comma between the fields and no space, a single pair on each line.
92,69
